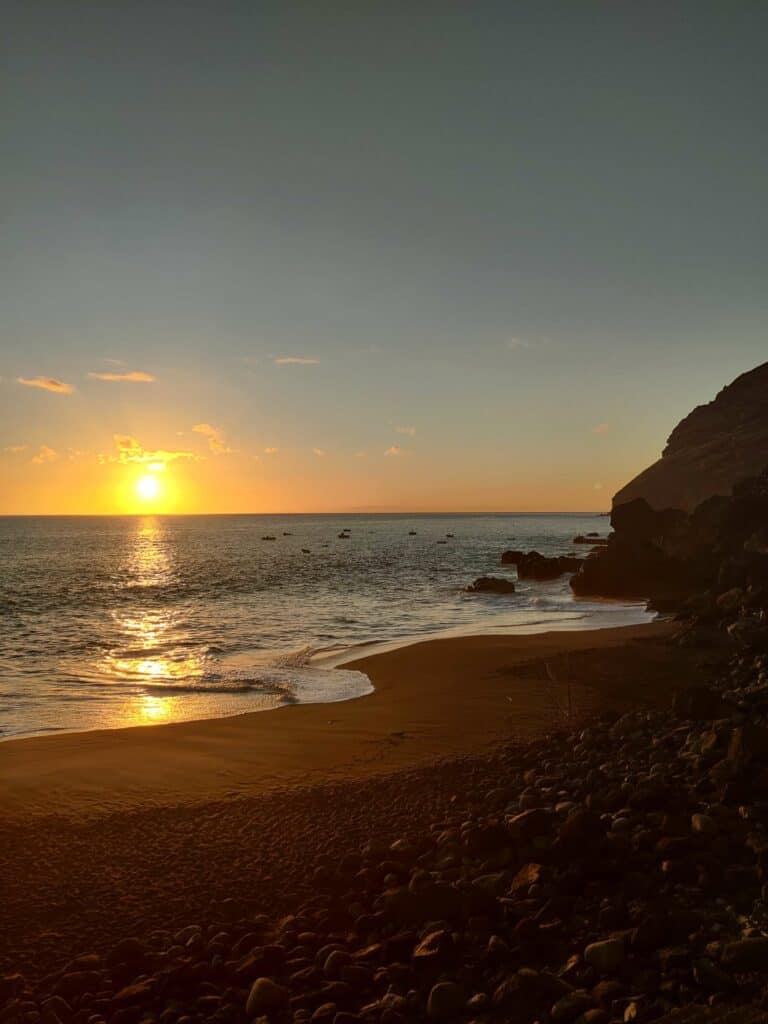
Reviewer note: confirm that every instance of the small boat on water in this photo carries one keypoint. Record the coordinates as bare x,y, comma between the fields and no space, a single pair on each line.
268,537
442,542
450,535
411,533
343,536
306,551
287,534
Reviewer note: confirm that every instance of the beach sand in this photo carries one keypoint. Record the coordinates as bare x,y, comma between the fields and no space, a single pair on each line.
432,699
114,833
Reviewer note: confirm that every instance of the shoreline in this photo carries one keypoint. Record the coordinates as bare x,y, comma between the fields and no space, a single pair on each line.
431,700
332,658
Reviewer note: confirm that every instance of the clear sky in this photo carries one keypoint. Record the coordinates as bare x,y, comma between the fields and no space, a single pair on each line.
366,255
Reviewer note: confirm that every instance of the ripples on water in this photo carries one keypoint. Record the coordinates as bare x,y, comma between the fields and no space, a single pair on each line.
113,621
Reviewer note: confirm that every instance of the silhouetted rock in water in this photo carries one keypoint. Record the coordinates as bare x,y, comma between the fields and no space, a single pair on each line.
491,585
532,565
711,450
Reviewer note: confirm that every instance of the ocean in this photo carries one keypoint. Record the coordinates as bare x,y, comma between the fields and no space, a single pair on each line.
117,621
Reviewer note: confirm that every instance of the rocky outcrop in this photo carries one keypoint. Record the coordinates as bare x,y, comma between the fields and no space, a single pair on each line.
491,585
671,555
532,565
713,448
695,521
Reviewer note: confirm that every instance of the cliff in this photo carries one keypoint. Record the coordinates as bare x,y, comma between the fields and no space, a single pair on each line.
713,448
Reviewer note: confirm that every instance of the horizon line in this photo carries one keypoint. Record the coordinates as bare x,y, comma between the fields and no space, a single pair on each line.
358,512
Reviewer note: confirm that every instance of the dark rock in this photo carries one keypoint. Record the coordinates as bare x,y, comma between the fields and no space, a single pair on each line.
491,585
445,1002
746,955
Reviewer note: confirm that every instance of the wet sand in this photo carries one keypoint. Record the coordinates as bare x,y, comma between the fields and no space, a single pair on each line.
432,700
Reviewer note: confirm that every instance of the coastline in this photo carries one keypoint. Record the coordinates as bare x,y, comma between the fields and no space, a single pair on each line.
433,699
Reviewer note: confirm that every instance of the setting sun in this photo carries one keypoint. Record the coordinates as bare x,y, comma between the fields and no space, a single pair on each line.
148,487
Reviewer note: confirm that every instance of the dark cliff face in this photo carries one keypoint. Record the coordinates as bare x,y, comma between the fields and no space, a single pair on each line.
713,448
696,520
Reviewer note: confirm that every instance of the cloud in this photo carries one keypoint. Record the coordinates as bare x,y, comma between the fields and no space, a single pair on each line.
44,454
14,449
410,431
294,361
395,449
130,451
130,377
601,428
320,452
215,436
516,343
58,387
271,451
597,486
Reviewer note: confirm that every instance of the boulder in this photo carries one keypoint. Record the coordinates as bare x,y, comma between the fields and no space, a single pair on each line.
266,998
491,585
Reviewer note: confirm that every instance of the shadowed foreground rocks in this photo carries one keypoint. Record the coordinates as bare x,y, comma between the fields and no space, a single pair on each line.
613,873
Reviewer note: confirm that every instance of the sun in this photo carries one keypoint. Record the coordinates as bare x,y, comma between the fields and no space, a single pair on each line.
148,487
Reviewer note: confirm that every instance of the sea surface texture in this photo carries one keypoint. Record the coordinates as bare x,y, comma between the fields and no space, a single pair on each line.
116,621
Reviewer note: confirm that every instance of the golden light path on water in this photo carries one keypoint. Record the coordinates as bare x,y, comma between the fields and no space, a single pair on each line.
150,633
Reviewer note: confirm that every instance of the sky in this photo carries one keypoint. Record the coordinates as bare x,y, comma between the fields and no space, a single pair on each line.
275,256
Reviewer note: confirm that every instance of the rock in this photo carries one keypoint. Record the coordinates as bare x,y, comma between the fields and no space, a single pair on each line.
136,993
606,956
77,982
698,702
535,566
431,902
704,825
528,992
529,824
714,447
445,1001
129,951
571,1006
265,998
435,950
746,955
528,875
491,585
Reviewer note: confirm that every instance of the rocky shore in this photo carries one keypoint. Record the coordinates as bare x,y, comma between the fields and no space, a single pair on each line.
610,873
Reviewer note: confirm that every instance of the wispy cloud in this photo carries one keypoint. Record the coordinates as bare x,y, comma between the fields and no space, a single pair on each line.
516,343
215,436
394,449
271,451
44,454
14,449
130,377
601,428
320,452
58,387
294,361
130,451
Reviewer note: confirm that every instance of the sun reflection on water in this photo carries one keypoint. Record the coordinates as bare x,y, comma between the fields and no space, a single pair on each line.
154,709
151,645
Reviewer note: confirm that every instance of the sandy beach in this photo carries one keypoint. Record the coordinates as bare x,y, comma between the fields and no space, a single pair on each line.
153,827
432,700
